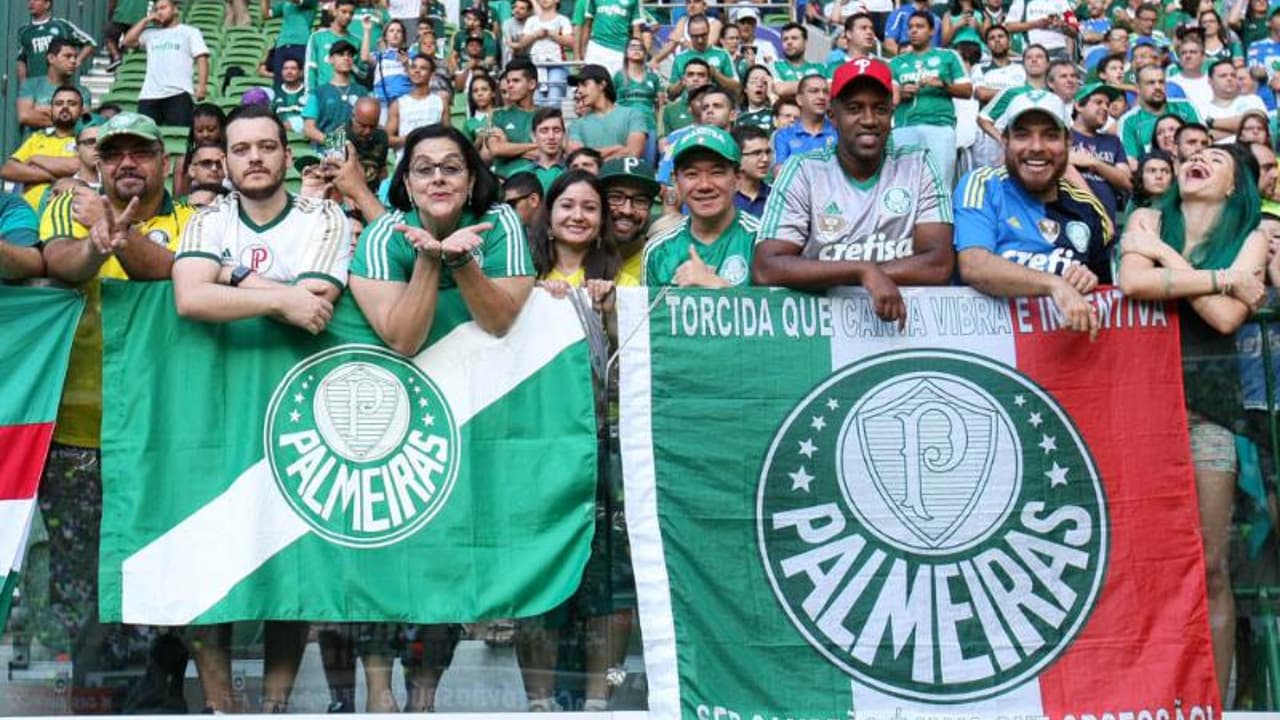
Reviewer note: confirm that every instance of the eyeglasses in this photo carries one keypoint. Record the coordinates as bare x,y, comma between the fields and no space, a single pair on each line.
698,36
207,164
117,155
87,142
754,153
515,200
617,200
425,171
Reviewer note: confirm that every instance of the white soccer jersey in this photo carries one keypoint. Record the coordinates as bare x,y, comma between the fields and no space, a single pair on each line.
311,238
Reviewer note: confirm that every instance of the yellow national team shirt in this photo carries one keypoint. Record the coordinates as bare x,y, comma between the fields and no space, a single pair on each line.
80,413
43,142
579,278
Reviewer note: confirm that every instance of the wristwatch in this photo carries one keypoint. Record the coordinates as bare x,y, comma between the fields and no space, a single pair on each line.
239,274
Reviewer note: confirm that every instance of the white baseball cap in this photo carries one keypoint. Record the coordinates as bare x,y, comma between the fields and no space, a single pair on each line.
1041,101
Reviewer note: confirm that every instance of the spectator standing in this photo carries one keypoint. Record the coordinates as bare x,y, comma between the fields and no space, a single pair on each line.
606,126
296,18
679,114
36,93
318,67
390,62
1137,124
121,14
47,154
127,233
173,50
1144,27
793,67
513,44
419,107
407,12
1189,74
329,106
860,41
512,137
1045,23
207,124
896,33
1098,156
679,39
712,246
928,78
1023,230
290,95
1226,112
20,256
34,38
546,36
757,162
641,88
376,24
718,61
630,191
860,213
1220,42
813,130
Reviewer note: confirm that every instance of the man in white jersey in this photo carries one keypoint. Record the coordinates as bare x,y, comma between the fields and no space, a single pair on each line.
261,251
860,213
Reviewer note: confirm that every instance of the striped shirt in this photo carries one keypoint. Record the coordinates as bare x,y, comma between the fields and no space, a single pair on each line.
385,254
310,238
729,256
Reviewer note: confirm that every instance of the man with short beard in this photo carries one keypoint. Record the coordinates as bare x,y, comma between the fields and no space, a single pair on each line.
792,68
127,233
1022,229
1153,101
173,50
860,213
260,252
630,191
50,153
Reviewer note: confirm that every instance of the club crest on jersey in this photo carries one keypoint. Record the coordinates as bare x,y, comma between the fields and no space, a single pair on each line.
362,445
831,221
256,257
1078,234
1049,229
933,524
897,201
734,270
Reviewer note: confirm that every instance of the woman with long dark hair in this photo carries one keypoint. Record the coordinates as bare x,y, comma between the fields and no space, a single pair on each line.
446,229
1220,41
1201,245
208,125
482,99
568,240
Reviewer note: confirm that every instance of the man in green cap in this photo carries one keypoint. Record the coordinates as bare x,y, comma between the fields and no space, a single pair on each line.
1099,157
630,190
128,233
711,247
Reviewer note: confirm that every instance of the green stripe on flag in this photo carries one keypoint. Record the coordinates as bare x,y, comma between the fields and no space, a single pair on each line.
39,326
8,584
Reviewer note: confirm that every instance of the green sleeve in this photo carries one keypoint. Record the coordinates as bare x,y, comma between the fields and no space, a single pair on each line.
635,121
1132,144
383,253
506,248
575,130
1237,51
27,90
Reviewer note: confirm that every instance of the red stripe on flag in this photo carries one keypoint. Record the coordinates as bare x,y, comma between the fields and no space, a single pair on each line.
1147,640
22,452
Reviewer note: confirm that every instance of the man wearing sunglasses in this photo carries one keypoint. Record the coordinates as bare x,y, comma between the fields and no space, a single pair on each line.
128,232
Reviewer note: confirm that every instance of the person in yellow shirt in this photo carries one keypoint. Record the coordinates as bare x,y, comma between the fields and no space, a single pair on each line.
128,233
630,192
570,245
50,153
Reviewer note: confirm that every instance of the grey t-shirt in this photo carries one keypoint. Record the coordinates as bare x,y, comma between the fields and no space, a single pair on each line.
612,128
814,204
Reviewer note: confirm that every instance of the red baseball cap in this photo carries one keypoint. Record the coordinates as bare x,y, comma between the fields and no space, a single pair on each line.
861,67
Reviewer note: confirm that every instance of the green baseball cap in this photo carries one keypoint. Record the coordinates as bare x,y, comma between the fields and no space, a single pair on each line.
706,137
1092,88
628,167
127,123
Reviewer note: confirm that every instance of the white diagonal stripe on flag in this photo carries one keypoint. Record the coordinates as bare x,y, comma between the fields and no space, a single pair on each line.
183,573
15,525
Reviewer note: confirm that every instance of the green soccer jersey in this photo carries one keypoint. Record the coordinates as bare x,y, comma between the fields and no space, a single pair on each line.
640,94
784,71
34,39
517,125
717,58
762,118
931,105
1137,125
475,125
999,104
319,71
547,174
459,45
676,115
384,253
611,21
295,21
729,255
381,16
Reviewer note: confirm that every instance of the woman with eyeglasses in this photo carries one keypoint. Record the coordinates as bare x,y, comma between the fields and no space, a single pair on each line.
447,229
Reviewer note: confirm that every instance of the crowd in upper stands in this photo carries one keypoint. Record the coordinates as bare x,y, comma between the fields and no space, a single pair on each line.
380,147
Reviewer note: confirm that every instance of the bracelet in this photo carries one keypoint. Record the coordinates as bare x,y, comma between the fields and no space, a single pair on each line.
458,262
1167,277
1213,279
1227,284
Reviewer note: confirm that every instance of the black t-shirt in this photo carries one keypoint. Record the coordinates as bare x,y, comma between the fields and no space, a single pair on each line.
1110,150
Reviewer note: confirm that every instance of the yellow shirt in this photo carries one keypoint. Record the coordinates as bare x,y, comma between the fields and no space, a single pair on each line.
579,278
43,142
80,413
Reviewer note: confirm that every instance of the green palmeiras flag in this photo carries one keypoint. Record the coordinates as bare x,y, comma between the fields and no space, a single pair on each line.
37,326
252,471
980,515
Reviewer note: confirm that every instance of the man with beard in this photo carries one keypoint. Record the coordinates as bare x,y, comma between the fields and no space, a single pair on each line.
928,80
50,153
1153,101
630,191
789,71
1097,155
127,233
260,252
1022,229
860,213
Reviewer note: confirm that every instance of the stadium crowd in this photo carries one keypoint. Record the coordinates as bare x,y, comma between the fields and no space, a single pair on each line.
1024,148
